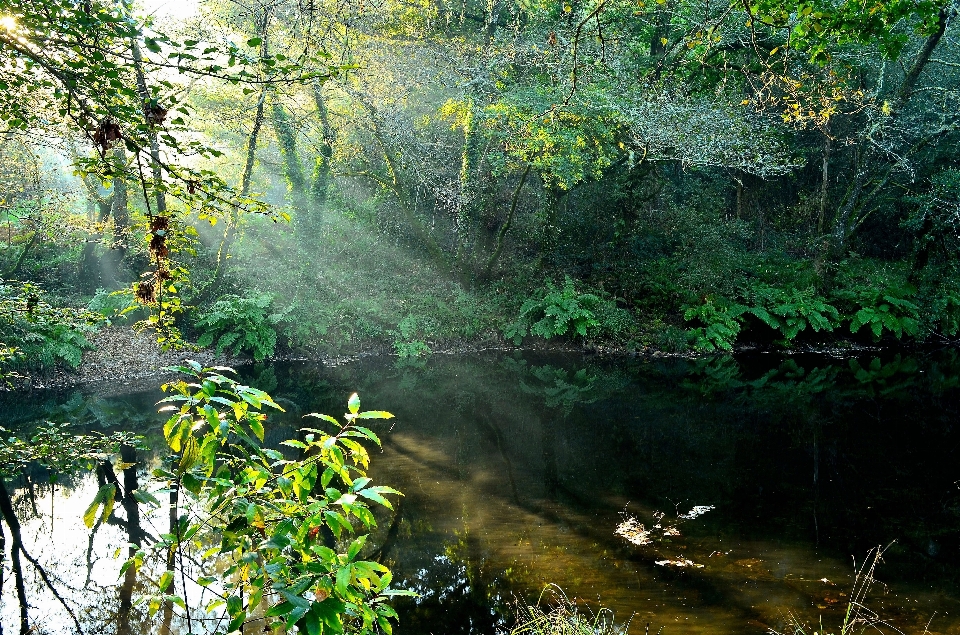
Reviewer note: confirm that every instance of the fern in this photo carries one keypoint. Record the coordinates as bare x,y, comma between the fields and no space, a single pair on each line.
791,312
42,335
561,311
720,324
885,310
240,324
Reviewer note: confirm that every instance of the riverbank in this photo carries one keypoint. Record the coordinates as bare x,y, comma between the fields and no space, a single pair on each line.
125,356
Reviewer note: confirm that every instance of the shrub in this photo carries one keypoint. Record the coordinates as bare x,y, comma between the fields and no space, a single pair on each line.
720,324
566,311
279,529
41,335
788,312
791,312
241,324
883,309
115,307
406,338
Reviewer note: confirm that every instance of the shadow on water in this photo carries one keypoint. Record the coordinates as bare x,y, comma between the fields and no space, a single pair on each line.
517,469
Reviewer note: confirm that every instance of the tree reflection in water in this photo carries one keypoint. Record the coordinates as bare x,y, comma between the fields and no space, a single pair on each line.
516,471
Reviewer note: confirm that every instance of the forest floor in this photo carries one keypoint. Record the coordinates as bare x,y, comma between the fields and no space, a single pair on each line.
122,355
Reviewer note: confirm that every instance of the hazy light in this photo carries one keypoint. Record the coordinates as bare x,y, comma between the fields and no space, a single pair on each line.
176,9
8,23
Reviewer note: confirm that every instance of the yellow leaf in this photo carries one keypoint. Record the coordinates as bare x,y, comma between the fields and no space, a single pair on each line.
663,41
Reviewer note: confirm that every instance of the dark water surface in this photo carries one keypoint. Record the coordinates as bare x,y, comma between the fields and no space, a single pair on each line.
518,468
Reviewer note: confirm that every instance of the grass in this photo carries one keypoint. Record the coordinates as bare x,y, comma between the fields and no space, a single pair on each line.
859,617
556,614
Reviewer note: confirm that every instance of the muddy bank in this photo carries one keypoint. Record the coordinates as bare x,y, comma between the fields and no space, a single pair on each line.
123,356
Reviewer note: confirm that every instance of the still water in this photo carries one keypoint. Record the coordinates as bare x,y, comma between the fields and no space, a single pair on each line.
517,469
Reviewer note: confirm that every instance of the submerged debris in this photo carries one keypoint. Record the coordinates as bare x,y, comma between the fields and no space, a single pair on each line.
679,562
634,532
698,510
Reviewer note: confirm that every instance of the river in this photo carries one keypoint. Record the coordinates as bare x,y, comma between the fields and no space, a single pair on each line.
517,470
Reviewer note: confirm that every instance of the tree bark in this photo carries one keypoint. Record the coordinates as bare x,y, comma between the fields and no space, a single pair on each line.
258,115
844,226
824,180
321,169
506,226
120,210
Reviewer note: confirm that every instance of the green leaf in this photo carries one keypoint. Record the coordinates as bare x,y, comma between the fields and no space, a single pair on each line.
165,581
190,455
354,403
256,426
374,414
105,497
145,497
356,546
344,576
375,494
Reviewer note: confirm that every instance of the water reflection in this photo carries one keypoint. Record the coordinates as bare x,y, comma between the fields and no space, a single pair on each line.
517,469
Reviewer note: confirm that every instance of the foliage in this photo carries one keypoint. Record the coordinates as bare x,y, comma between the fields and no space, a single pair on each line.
883,310
791,312
559,615
43,335
51,445
282,529
405,344
242,324
560,311
114,306
720,325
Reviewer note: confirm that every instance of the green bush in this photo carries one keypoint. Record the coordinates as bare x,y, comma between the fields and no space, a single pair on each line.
883,309
720,324
115,307
791,312
567,311
406,338
240,324
38,335
290,531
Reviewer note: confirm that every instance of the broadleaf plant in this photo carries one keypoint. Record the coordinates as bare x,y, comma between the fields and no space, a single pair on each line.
284,526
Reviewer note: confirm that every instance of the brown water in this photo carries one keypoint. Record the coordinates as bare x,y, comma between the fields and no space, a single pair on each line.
517,470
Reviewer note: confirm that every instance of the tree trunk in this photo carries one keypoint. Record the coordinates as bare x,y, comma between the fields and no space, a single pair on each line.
846,222
824,180
120,207
287,141
506,225
258,115
246,176
321,169
469,220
